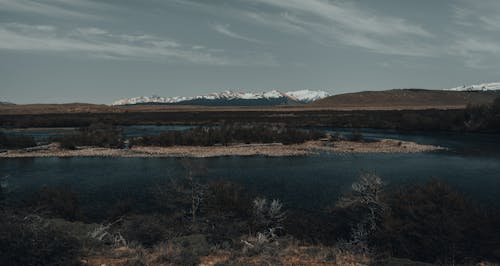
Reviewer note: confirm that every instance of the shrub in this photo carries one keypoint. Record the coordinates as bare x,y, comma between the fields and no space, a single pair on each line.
16,141
268,217
3,188
2,197
171,195
495,106
365,202
434,223
57,202
356,136
192,247
228,198
147,230
366,194
336,137
209,136
25,243
100,135
186,193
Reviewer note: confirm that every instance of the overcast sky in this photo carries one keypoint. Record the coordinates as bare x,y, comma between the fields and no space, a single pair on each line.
100,51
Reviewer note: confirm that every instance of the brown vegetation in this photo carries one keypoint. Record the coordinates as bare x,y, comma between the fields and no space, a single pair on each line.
228,134
371,224
429,119
408,98
16,141
97,135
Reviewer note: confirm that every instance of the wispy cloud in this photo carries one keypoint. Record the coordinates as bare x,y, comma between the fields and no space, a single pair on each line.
351,17
479,53
332,23
53,8
100,43
481,15
224,29
282,21
477,33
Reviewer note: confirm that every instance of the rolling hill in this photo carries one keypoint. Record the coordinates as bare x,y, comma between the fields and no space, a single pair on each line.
407,98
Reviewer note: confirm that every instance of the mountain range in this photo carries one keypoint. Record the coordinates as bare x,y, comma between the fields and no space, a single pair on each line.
267,98
233,98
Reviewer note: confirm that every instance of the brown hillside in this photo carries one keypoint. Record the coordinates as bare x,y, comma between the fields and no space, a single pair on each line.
410,98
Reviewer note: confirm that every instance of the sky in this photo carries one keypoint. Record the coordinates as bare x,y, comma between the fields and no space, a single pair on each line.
56,51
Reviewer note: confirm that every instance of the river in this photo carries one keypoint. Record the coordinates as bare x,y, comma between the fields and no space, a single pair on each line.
471,165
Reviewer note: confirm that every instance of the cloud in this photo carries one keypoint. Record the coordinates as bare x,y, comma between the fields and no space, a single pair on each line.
476,33
52,8
479,53
480,15
224,30
350,17
333,22
283,21
100,43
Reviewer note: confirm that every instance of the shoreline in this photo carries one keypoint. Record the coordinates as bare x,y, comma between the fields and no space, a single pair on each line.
270,150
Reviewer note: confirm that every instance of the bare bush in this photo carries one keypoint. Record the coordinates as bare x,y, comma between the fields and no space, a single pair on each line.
268,216
268,220
185,193
366,194
103,233
365,199
197,189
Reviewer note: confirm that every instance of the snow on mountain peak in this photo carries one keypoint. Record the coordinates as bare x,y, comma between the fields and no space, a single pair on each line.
479,87
273,94
300,96
308,95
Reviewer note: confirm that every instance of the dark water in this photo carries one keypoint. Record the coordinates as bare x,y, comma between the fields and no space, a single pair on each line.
472,165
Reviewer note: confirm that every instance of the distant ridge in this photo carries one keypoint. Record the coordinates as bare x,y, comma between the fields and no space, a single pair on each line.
232,98
408,98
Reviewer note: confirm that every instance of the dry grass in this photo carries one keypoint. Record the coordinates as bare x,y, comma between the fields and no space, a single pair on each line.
290,255
274,150
167,255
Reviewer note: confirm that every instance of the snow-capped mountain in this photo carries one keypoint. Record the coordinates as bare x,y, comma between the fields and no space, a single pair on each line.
272,97
480,87
308,95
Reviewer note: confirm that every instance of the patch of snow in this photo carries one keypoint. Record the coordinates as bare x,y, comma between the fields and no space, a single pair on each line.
308,95
479,87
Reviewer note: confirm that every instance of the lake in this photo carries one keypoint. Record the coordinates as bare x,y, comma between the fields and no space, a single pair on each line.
471,165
